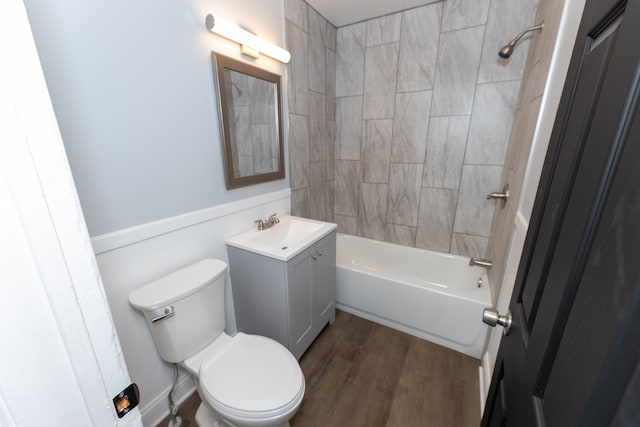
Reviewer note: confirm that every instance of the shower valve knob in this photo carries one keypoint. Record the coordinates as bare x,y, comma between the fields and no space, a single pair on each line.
504,195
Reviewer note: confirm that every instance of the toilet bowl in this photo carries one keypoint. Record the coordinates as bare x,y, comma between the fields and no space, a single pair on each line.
247,380
244,380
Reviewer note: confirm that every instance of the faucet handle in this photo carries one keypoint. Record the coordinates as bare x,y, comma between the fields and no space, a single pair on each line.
260,224
274,218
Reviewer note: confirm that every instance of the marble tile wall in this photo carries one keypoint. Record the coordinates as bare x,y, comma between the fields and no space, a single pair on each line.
536,69
424,110
312,112
418,110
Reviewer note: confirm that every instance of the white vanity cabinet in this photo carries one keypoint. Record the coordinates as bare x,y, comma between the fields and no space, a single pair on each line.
289,301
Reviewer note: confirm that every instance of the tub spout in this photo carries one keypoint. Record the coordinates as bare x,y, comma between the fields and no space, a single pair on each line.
480,262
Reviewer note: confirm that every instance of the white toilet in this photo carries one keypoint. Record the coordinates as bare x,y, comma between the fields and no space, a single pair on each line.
245,380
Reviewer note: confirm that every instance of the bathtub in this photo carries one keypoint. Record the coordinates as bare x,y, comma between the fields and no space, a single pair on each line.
431,295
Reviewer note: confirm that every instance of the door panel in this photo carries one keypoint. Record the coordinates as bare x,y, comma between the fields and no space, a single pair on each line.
577,259
608,283
577,129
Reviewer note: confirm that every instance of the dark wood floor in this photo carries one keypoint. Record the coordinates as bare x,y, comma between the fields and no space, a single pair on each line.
359,373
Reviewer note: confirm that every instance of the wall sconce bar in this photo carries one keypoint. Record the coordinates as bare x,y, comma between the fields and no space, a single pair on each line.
252,45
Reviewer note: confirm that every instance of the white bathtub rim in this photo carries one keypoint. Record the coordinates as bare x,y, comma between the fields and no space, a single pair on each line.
468,287
412,248
481,294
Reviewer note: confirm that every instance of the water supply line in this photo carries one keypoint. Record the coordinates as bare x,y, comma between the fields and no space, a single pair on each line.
176,420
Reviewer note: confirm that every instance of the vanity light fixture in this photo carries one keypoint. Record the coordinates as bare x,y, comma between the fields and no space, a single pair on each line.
251,44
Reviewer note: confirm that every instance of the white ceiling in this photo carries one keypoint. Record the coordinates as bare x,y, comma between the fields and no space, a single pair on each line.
343,12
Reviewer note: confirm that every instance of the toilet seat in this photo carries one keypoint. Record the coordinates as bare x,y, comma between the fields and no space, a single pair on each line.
254,378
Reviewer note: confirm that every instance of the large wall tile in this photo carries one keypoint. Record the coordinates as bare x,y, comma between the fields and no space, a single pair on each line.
458,14
372,210
298,151
330,85
317,127
317,191
296,12
474,211
376,150
458,60
400,234
404,193
435,223
350,48
383,30
330,37
298,70
317,55
346,224
380,75
300,205
346,192
506,19
419,47
330,190
469,245
493,111
502,230
410,127
348,127
330,148
445,151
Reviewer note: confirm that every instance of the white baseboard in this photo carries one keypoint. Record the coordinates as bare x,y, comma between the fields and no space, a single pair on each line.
484,372
158,408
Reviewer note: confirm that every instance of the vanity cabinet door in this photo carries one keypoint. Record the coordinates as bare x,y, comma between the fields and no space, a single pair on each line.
301,290
289,301
325,277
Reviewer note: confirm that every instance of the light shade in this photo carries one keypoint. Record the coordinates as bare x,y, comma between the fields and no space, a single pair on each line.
245,38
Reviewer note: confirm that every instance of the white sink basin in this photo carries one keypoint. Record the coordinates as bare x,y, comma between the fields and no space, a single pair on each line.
284,240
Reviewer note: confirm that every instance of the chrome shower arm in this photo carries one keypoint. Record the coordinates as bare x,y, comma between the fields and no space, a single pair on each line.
525,31
507,50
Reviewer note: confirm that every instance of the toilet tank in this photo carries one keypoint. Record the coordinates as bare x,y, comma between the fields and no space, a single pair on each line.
185,310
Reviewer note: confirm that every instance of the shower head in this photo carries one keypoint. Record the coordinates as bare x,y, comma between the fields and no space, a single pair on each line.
507,50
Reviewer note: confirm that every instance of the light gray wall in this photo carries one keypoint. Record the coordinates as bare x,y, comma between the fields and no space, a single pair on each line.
132,87
424,108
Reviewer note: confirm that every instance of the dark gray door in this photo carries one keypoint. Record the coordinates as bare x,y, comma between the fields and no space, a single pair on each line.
571,358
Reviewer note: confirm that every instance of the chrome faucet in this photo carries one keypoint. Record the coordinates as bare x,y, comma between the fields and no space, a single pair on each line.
268,223
480,262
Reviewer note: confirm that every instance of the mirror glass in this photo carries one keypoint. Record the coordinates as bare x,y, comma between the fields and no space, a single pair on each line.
249,101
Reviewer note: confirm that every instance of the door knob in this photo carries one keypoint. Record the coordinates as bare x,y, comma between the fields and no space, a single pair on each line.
492,318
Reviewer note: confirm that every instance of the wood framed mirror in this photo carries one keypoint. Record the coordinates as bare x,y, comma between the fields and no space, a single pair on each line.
250,108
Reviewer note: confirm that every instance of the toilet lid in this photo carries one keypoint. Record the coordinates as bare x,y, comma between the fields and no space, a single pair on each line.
255,376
